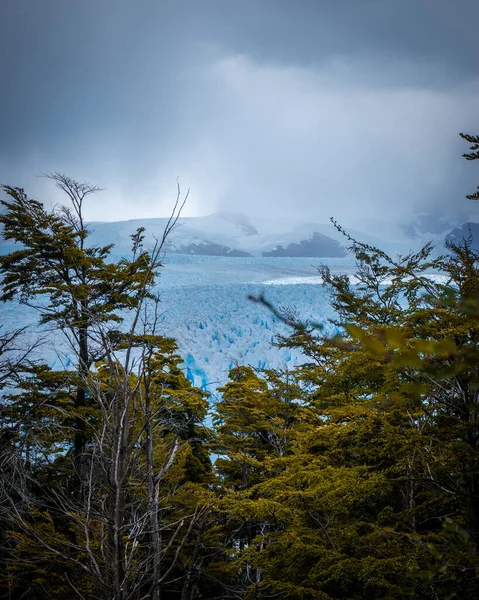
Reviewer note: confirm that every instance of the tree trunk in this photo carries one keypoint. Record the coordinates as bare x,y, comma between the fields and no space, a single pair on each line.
155,534
80,403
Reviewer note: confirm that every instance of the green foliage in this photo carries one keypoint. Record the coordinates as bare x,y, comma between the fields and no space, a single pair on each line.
472,155
376,495
81,285
105,465
354,477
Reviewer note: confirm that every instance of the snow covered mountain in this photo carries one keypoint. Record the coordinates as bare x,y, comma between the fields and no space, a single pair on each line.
465,231
235,235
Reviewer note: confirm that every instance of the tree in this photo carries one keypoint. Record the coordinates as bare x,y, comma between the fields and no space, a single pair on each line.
136,418
354,477
376,496
472,155
254,420
81,287
124,534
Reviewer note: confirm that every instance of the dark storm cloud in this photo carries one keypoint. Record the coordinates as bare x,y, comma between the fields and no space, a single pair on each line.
310,31
277,107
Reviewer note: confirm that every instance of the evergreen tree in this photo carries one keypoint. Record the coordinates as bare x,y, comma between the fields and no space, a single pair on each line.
381,473
472,155
354,477
139,459
74,286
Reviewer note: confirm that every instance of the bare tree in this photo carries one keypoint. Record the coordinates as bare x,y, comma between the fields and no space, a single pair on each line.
120,538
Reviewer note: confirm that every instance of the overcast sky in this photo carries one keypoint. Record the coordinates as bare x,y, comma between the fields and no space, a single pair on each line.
293,108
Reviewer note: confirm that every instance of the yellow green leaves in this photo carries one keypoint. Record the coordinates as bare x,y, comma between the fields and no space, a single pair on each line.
392,344
81,285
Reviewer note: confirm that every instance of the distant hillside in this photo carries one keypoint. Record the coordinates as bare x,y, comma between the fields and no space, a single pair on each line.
428,224
206,248
317,246
464,232
234,235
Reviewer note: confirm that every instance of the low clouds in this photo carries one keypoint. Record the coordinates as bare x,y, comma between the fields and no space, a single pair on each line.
307,143
294,111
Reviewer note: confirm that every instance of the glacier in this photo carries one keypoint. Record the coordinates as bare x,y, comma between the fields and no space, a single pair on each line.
205,304
205,307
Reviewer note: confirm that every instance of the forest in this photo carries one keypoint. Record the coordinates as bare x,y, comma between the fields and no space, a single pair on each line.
352,477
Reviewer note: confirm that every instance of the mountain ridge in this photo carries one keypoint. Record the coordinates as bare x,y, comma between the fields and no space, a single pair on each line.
234,234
